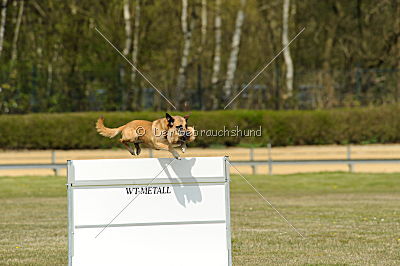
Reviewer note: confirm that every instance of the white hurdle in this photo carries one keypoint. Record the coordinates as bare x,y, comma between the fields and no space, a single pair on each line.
149,212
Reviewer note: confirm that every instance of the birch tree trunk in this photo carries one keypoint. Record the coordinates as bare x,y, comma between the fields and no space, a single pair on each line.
286,52
135,51
16,32
128,28
233,58
125,51
217,54
203,23
200,89
187,40
3,23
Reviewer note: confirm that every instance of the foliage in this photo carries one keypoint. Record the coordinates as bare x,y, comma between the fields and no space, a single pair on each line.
64,65
77,131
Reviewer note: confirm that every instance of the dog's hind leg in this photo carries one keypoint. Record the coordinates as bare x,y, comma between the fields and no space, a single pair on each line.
138,149
128,147
129,135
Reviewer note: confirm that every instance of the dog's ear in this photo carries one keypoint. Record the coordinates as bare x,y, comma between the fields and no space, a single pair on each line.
170,119
186,117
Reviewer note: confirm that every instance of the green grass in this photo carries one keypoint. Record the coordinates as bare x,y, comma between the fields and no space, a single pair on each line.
347,219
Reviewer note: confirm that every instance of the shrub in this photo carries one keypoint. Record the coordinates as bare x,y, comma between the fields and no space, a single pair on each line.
338,126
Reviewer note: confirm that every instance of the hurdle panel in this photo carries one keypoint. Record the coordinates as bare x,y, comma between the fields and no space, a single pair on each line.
181,218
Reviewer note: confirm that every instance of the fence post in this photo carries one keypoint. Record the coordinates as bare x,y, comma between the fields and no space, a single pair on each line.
269,159
350,165
253,167
53,161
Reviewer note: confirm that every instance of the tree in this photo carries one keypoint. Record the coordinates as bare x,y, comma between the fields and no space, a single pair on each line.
233,58
217,54
135,52
331,35
203,25
286,52
396,9
187,41
200,54
16,32
125,51
53,60
273,31
3,23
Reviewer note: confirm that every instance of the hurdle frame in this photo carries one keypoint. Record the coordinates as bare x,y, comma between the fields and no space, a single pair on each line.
72,184
228,209
71,226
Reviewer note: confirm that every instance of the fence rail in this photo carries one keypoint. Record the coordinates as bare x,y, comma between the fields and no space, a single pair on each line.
253,163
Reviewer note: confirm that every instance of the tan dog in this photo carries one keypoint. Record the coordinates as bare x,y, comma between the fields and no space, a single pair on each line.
162,134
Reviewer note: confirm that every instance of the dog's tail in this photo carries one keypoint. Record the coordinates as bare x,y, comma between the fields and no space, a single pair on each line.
105,131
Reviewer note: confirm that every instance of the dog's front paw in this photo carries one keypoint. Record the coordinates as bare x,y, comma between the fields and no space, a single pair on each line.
183,147
175,154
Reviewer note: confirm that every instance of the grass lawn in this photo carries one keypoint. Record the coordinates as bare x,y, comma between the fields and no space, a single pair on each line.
345,218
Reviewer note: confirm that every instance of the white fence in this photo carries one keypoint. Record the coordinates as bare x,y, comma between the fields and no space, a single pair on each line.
258,160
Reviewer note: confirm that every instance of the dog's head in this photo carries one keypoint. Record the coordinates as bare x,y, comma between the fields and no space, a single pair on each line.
177,128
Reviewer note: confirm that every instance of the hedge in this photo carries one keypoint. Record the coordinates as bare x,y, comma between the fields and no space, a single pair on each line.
337,126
